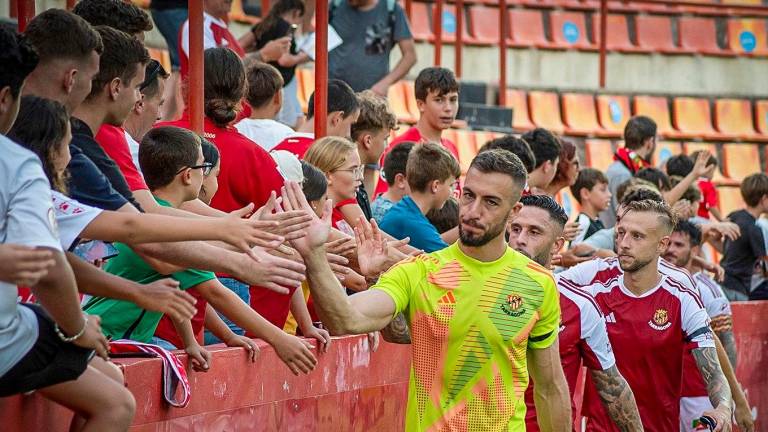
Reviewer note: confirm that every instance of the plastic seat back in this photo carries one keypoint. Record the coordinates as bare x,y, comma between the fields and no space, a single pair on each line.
421,27
698,35
569,30
655,33
693,116
657,109
734,116
747,36
665,150
579,113
518,101
545,110
613,112
526,28
599,153
398,102
484,22
741,160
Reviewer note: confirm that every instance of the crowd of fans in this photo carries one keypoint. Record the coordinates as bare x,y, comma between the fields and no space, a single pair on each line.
118,227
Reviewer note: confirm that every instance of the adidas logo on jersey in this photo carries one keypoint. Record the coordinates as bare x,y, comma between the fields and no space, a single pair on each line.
610,318
448,298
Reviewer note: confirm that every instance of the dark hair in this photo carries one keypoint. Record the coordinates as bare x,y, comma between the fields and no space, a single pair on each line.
687,227
502,162
164,151
587,179
121,53
152,75
210,152
224,85
429,162
118,14
438,79
567,154
667,217
544,144
711,161
375,115
637,131
264,82
396,160
754,188
40,127
59,34
18,60
278,9
341,97
516,145
641,194
445,218
679,165
315,185
655,176
544,202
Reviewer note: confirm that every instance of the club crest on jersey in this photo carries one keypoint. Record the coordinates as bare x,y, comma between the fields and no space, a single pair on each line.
514,306
660,320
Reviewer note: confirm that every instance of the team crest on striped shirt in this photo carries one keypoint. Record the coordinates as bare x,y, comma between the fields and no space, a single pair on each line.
660,320
514,306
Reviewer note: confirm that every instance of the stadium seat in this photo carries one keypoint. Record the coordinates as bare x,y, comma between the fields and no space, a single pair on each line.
748,36
568,202
545,111
718,178
665,150
484,23
398,102
306,83
657,108
449,25
743,2
654,33
618,33
421,27
580,115
467,146
733,117
482,137
693,118
761,117
569,30
526,29
161,55
741,160
410,98
613,113
521,118
598,153
730,199
699,36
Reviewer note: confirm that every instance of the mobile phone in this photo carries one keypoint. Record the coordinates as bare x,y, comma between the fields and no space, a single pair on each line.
95,250
704,423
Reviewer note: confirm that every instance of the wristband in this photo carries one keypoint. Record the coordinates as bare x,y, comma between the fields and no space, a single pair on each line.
64,338
373,167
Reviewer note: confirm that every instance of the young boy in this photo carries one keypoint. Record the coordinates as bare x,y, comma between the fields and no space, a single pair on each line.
437,98
431,173
265,97
591,191
682,165
394,174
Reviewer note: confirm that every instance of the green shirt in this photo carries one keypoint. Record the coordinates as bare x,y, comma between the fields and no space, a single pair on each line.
122,319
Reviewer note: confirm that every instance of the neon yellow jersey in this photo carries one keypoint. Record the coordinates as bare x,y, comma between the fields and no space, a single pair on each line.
471,323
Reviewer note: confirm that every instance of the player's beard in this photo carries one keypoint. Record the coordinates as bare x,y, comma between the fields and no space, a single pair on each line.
680,262
542,258
637,265
476,241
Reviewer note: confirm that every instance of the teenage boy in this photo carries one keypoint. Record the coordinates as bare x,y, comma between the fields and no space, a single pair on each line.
546,151
343,110
591,191
431,173
394,173
265,96
437,98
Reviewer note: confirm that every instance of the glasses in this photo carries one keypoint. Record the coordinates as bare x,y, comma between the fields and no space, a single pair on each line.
206,167
153,70
355,171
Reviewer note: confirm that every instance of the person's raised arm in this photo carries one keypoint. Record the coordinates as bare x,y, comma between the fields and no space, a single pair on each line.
550,390
406,62
699,169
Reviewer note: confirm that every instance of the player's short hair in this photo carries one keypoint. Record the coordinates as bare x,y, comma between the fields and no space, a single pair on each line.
164,151
502,162
118,14
121,53
314,184
429,162
544,144
375,115
664,212
435,79
686,227
445,218
18,58
754,188
656,177
587,179
264,82
516,145
546,203
637,131
59,34
396,161
341,97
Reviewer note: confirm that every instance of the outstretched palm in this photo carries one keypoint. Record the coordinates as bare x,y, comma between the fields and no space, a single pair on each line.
318,229
371,248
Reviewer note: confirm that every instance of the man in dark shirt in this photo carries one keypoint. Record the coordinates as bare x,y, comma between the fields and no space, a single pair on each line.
742,254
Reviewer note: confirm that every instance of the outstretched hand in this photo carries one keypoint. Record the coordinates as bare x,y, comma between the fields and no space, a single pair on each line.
288,224
372,254
319,228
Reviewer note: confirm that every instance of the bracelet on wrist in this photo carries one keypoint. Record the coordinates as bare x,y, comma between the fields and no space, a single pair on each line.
373,167
75,337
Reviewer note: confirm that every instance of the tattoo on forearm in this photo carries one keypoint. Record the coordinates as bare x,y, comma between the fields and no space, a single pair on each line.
397,331
618,399
729,343
717,385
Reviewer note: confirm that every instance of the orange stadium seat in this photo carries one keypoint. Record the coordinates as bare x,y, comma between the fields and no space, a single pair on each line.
654,33
410,98
482,137
743,2
693,117
421,27
613,113
617,32
730,199
580,115
657,108
161,55
545,111
306,85
467,146
741,160
398,102
733,117
526,29
569,30
598,153
484,22
568,202
665,150
699,35
718,178
521,118
449,24
761,117
748,36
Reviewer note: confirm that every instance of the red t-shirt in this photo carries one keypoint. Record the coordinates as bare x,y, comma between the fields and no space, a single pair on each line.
298,144
166,330
112,140
708,197
413,135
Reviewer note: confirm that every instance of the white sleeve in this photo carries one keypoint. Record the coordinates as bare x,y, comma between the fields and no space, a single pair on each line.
72,218
694,320
713,297
208,40
581,274
596,348
583,221
185,39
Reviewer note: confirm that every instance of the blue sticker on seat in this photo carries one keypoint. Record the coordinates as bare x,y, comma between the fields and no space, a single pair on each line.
615,109
449,22
571,32
748,41
664,154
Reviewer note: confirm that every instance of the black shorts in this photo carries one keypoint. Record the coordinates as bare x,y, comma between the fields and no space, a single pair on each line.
50,361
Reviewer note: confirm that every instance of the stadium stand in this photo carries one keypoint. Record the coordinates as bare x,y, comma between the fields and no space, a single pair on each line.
747,36
654,33
580,115
740,160
598,153
569,30
521,118
613,113
733,117
692,117
665,150
527,29
484,22
545,110
699,36
657,109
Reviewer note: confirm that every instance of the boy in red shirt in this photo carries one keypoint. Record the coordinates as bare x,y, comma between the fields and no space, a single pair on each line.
709,203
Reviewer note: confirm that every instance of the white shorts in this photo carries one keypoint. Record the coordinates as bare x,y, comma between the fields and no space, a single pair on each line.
691,408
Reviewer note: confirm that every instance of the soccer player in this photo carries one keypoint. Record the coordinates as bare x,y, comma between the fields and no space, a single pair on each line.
537,232
651,319
481,314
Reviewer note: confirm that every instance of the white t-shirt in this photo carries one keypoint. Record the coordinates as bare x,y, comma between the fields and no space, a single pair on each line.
26,218
267,133
208,40
72,217
133,146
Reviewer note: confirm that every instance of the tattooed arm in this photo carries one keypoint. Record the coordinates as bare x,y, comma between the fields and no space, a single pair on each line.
397,331
617,398
717,387
729,344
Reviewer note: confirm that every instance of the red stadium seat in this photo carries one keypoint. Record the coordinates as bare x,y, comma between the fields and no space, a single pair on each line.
521,118
484,23
733,117
421,27
665,150
748,36
693,118
580,115
613,113
449,25
699,36
398,102
654,33
569,30
741,160
617,32
526,29
657,108
598,153
545,111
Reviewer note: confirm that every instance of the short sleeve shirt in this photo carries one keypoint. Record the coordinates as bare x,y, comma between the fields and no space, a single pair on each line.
405,219
380,207
112,140
471,325
72,218
265,132
708,197
297,143
741,255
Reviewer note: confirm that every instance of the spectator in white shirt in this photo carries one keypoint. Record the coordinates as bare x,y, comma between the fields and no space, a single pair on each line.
265,97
